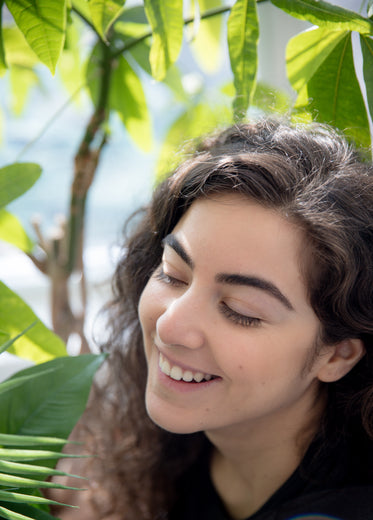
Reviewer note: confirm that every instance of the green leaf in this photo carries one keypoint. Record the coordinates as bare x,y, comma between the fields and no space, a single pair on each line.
3,65
20,468
325,14
206,43
335,95
129,32
367,50
243,34
15,179
9,342
43,23
50,401
70,67
12,231
12,384
25,512
166,20
29,483
18,51
128,99
13,455
11,515
7,439
38,344
10,496
306,52
104,13
22,81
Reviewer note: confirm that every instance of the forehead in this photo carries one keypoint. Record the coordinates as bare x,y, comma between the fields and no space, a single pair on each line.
231,233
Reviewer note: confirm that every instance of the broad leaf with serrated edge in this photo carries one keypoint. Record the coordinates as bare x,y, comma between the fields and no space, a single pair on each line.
104,13
243,34
325,14
43,23
166,20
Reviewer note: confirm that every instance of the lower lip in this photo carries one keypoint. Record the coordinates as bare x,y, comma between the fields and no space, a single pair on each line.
183,386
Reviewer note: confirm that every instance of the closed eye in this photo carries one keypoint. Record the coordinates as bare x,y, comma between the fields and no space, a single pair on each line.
167,279
237,318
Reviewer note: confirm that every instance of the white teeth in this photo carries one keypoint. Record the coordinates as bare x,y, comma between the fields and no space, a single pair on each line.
178,374
198,377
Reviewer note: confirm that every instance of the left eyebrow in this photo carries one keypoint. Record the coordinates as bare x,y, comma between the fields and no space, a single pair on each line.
231,279
172,241
257,283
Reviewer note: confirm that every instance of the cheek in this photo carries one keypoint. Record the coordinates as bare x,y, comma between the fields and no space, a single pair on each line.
149,308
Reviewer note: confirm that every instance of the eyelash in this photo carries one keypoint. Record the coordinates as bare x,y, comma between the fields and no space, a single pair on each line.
235,317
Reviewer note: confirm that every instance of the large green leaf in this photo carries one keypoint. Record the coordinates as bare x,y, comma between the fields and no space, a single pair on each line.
104,13
128,99
326,15
367,50
50,401
39,344
15,179
306,52
243,34
334,93
206,43
43,23
12,231
128,33
166,20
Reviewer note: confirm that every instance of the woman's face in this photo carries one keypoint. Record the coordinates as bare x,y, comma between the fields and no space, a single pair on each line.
228,331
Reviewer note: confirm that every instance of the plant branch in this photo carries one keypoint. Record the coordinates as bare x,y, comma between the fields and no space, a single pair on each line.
133,42
86,161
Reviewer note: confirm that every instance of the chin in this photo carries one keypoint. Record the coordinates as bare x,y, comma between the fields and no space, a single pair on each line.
170,422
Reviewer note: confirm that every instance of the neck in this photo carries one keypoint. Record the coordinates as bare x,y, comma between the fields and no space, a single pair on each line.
250,463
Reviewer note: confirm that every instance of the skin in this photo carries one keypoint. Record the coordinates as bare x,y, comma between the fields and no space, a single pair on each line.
257,341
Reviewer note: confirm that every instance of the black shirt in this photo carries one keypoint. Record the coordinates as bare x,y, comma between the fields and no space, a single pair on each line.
326,486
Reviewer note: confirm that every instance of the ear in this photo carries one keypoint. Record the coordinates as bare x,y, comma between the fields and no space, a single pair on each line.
340,359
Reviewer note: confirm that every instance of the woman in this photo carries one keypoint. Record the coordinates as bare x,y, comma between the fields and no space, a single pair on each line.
239,383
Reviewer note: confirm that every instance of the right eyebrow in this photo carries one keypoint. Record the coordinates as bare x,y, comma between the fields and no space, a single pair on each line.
173,242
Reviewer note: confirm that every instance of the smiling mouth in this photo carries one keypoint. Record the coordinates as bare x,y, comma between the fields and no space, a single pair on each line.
178,374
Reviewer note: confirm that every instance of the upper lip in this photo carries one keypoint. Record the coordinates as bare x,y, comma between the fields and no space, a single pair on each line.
182,365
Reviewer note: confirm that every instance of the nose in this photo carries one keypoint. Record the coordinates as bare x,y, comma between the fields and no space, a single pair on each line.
183,322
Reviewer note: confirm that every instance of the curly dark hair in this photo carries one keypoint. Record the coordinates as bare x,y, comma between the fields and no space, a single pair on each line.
315,178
